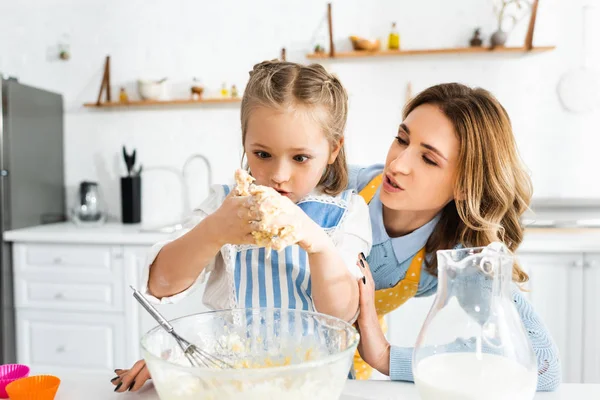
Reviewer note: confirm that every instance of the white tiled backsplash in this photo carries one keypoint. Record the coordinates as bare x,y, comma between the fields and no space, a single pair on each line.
220,41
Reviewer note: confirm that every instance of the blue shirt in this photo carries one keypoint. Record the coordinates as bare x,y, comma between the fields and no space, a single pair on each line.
389,260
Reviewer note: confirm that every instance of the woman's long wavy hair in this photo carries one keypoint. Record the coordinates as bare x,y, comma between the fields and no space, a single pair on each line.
493,189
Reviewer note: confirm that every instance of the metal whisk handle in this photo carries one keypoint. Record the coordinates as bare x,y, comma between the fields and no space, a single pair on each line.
151,310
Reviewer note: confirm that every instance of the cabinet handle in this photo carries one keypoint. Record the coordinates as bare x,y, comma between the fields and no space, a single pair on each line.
59,296
57,260
60,349
591,264
578,264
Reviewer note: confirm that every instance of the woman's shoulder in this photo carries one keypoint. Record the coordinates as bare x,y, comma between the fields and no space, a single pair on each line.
359,175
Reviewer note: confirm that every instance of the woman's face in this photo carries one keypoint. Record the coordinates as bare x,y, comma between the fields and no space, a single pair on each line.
420,169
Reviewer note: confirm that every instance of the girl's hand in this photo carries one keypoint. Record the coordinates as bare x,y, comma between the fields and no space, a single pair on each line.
232,223
373,346
131,379
304,231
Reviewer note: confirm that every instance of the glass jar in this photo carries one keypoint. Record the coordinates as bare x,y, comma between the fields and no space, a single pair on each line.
473,344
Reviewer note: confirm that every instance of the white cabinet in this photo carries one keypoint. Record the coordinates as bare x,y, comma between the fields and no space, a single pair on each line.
591,318
75,310
555,291
51,341
563,289
404,323
135,259
69,306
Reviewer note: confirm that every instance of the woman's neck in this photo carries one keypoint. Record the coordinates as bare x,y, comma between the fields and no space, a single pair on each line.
399,222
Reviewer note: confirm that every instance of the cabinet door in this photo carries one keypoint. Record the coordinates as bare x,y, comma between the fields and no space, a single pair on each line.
141,322
70,341
591,319
555,291
404,323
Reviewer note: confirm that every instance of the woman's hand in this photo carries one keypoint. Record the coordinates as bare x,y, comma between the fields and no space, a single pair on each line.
131,379
373,346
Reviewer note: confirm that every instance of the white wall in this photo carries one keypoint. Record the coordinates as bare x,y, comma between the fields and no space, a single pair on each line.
221,40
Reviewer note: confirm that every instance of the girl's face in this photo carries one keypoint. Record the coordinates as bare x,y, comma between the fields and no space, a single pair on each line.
287,150
420,169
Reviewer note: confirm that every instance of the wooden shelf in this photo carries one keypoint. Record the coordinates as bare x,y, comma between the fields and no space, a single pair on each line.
459,50
157,103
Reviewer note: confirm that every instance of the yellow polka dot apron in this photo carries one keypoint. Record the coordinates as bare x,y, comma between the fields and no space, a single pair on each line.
387,300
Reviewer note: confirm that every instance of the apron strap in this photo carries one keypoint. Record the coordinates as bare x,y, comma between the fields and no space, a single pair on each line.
413,274
370,190
387,300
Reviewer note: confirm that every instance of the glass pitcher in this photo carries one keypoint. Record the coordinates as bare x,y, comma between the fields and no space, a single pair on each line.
473,344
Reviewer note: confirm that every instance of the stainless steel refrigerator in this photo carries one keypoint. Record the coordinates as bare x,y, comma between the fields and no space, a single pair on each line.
31,179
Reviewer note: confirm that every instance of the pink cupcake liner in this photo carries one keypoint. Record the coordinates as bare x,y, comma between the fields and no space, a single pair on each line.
10,373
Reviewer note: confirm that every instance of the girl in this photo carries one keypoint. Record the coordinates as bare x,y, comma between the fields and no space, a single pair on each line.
293,118
452,177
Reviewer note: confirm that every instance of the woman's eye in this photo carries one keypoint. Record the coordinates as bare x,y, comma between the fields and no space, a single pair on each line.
262,154
430,162
401,141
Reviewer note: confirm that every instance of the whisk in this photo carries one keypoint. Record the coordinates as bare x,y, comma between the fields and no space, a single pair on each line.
195,355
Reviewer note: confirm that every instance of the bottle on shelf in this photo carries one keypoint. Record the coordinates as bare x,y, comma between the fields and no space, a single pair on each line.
394,38
123,98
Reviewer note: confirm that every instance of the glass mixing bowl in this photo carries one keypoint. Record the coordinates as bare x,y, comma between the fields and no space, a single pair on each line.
277,354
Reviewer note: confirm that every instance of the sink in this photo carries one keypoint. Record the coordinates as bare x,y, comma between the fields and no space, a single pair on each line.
589,223
565,214
557,224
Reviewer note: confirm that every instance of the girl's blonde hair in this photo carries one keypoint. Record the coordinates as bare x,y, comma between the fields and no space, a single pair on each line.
281,84
493,189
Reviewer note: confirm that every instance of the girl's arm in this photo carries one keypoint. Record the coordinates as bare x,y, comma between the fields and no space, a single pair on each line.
179,263
339,296
334,290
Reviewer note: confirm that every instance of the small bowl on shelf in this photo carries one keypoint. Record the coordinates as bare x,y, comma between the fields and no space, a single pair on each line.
151,90
38,387
10,373
363,44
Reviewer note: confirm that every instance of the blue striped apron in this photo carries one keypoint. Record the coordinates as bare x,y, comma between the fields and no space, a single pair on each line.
283,279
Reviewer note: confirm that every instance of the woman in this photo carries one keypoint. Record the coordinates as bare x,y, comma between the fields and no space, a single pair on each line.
452,177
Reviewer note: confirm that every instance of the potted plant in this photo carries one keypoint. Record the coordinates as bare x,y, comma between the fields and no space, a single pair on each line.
514,11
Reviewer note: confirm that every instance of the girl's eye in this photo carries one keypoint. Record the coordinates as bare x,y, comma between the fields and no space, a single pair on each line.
401,141
301,158
262,154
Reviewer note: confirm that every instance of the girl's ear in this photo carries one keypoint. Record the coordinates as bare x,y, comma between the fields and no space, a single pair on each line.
335,151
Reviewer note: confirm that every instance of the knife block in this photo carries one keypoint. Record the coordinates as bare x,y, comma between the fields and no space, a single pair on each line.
131,199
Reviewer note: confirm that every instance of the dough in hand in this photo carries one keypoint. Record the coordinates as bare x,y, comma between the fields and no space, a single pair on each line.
269,204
